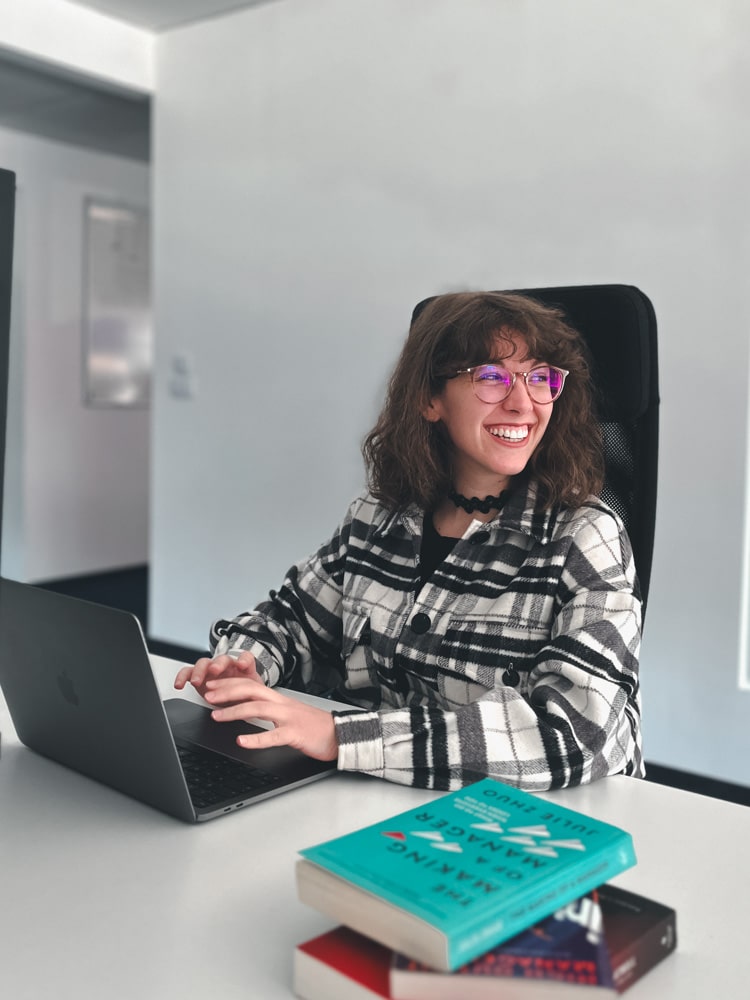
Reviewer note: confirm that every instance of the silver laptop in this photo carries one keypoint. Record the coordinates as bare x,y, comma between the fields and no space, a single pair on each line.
79,686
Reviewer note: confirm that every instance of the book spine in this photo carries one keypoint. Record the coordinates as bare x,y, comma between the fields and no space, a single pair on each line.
632,962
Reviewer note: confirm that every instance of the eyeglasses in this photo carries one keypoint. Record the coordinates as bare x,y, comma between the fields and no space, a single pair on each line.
493,383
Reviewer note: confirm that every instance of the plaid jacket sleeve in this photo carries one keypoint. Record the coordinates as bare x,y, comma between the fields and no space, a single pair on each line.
518,659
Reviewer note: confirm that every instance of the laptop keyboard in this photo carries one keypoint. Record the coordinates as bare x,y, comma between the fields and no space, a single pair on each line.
212,778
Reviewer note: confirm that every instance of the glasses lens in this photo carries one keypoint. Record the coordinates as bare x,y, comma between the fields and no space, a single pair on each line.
491,383
545,383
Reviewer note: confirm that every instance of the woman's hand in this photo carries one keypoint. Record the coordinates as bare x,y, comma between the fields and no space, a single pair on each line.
296,724
207,669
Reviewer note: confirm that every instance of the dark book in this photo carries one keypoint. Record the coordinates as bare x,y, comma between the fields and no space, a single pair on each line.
597,947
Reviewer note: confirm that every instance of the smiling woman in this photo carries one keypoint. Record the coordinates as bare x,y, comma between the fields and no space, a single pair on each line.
478,606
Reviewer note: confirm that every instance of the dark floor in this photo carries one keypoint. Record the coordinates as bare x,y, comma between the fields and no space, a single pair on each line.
128,589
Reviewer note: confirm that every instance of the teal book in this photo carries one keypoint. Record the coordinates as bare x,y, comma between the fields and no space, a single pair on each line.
447,881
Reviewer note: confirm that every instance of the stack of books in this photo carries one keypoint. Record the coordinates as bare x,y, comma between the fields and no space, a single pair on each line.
485,884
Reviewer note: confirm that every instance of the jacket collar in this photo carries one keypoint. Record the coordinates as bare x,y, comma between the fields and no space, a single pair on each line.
518,514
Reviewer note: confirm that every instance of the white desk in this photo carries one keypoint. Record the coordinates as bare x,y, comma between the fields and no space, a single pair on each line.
103,897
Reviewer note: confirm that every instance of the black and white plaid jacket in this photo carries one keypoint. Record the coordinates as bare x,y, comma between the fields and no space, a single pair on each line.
517,659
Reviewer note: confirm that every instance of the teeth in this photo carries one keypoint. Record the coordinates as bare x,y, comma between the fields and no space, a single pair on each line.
510,433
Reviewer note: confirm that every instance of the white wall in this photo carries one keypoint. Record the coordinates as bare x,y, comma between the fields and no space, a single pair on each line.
77,478
73,39
320,166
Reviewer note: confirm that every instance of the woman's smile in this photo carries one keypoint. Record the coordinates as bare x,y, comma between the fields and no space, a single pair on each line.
513,434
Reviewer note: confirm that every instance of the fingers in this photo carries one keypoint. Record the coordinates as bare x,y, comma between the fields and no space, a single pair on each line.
243,660
224,690
304,727
238,665
237,700
195,674
244,711
313,734
262,741
183,676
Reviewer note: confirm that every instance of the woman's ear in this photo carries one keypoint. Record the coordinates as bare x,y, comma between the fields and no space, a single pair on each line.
431,411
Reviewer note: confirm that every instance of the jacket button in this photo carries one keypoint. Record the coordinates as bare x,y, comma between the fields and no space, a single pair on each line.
511,677
420,623
479,537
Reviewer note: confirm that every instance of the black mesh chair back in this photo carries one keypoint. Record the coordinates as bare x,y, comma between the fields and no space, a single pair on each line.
619,326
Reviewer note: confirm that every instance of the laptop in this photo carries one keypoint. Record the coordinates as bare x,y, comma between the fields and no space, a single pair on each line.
78,682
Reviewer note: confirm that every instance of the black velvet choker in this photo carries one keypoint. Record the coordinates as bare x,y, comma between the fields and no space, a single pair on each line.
485,506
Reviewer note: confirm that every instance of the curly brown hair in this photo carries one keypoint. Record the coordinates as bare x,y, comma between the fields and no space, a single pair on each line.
408,458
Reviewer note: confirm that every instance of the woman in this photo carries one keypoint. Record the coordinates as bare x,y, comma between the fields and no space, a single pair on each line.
479,603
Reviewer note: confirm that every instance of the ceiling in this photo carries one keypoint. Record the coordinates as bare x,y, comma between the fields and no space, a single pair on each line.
159,15
37,100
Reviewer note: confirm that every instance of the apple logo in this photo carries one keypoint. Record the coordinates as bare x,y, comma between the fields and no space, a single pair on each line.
67,688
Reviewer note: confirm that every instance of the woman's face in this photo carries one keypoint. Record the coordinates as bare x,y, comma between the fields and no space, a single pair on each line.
492,442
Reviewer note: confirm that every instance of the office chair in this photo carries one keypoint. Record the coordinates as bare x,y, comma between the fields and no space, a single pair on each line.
618,325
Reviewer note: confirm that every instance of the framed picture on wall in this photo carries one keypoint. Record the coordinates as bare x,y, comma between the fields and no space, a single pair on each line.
117,323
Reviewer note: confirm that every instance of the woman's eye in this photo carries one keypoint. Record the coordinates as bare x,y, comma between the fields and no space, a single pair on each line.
493,375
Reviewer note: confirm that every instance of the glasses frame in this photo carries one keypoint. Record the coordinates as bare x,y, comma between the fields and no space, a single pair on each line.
514,375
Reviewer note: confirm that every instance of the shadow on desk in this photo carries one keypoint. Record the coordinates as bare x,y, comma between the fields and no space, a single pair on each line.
128,589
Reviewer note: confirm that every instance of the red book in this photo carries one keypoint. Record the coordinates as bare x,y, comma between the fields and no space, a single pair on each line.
598,947
342,965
